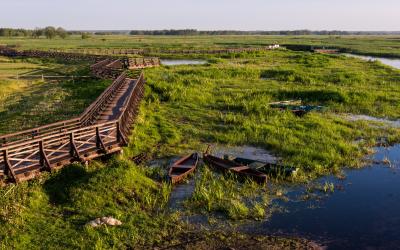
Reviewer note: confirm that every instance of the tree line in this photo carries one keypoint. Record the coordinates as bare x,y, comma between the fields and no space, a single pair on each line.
49,32
189,32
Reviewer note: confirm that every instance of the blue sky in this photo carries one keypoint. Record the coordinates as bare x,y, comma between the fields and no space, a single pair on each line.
203,14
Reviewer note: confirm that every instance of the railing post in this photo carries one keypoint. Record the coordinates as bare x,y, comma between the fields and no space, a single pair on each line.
8,166
97,137
118,132
73,150
71,144
44,161
99,141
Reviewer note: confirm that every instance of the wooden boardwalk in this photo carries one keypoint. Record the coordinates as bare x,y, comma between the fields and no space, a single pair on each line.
103,128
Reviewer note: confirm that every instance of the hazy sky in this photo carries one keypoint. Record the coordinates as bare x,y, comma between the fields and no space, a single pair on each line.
203,14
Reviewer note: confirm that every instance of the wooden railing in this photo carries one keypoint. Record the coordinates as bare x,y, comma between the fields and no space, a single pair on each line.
89,115
25,154
23,160
63,144
11,52
143,62
124,51
87,118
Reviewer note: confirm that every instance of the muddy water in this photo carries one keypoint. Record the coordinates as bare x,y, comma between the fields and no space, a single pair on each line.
391,62
392,123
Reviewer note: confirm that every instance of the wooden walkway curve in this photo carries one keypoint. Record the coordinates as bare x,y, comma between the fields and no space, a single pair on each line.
103,128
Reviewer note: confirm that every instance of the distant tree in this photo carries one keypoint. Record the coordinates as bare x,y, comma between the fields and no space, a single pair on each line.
50,32
5,32
36,33
85,35
62,32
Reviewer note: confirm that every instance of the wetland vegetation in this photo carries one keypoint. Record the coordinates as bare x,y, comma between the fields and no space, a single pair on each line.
185,107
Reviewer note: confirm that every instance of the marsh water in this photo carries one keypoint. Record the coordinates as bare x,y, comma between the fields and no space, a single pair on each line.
174,62
388,61
362,212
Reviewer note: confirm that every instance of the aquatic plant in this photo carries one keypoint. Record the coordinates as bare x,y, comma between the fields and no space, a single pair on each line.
227,195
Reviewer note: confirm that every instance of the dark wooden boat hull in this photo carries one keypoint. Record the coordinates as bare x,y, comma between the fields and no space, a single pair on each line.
235,168
270,168
182,168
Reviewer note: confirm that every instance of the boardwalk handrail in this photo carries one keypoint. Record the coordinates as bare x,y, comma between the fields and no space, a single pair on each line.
84,119
26,153
88,115
24,160
129,111
38,131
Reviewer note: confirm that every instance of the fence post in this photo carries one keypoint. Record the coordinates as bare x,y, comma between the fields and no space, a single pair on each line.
8,166
99,143
41,151
118,132
71,144
44,161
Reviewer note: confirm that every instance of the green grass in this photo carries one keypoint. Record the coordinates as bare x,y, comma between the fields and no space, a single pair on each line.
387,46
227,102
29,103
185,108
226,195
52,212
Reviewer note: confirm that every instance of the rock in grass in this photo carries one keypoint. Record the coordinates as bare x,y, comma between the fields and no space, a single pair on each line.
110,221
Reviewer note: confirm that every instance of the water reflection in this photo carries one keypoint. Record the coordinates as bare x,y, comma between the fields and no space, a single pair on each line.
173,62
391,62
363,212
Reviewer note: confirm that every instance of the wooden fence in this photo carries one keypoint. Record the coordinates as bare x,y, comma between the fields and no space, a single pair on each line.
25,154
97,54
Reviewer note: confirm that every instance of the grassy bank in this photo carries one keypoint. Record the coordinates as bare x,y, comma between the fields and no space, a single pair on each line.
386,46
28,103
185,108
227,102
52,212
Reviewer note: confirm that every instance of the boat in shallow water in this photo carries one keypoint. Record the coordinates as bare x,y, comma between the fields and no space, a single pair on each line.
274,169
233,167
183,167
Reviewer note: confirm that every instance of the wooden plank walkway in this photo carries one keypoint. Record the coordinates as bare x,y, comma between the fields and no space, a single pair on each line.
102,129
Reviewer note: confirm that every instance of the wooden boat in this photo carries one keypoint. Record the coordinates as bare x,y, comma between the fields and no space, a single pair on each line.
269,168
183,167
235,168
296,107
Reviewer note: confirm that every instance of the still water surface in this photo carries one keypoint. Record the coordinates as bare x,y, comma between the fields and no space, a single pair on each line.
388,61
362,213
174,62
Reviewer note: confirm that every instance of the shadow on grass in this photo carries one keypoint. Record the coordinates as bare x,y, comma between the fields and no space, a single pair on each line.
59,186
313,95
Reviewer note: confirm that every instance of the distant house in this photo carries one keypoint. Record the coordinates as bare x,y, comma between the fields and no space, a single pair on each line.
274,46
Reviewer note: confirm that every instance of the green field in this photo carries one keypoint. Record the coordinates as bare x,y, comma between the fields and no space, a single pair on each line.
27,103
186,107
387,46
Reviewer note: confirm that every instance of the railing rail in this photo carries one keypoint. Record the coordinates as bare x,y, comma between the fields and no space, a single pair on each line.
24,154
90,113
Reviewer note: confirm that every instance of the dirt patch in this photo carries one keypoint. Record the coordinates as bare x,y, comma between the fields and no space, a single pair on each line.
222,241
